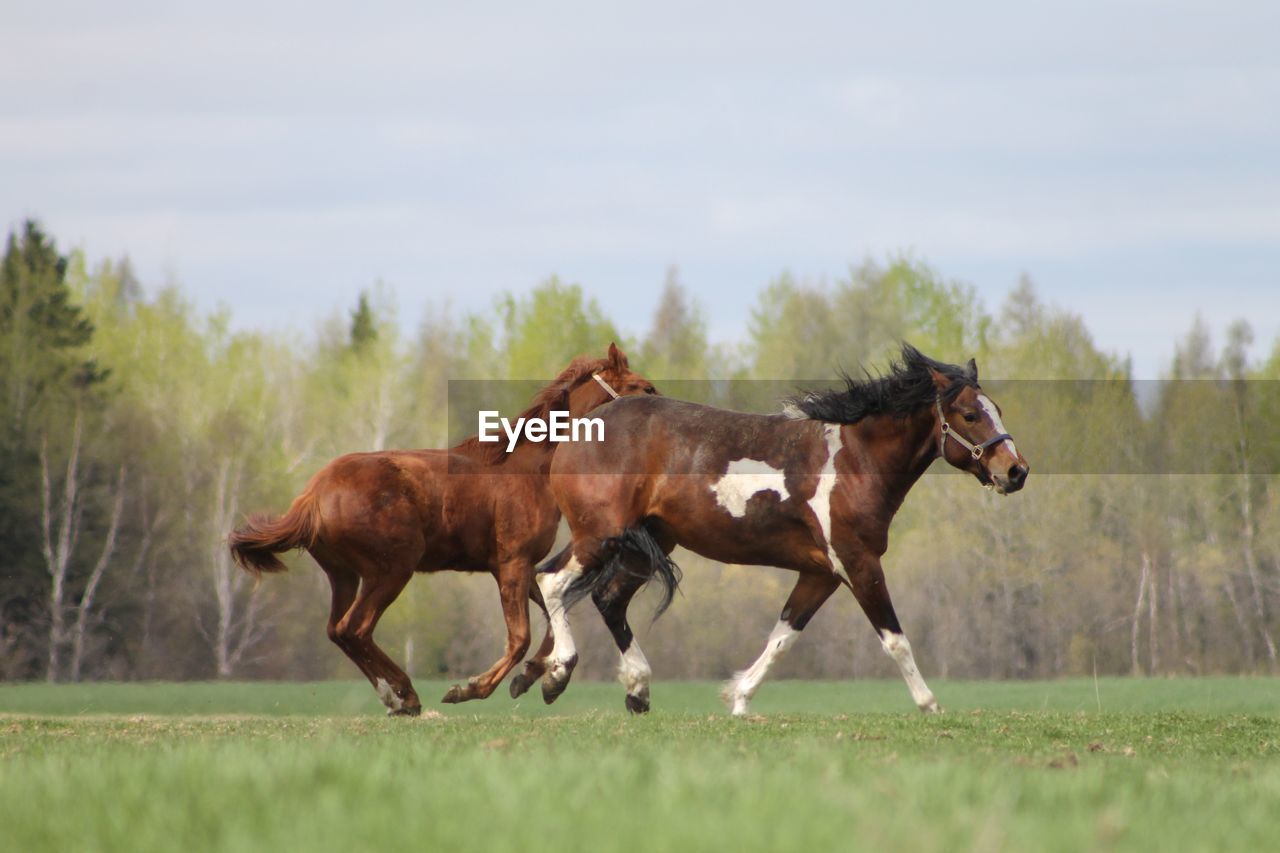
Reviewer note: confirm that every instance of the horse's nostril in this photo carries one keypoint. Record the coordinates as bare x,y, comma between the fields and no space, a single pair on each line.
1017,474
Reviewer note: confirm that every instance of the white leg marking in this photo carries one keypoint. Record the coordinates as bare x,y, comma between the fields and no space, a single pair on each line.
553,586
634,672
744,479
820,503
388,696
739,690
897,647
992,412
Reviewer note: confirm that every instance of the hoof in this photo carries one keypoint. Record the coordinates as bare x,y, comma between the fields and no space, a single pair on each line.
556,679
932,708
637,704
457,693
520,685
406,711
551,690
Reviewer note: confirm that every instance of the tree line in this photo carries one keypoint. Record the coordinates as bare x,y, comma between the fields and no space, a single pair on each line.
139,430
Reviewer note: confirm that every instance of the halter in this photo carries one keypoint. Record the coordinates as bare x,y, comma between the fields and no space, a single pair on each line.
975,450
605,385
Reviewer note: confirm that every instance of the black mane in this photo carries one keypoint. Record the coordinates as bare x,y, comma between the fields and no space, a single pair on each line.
904,389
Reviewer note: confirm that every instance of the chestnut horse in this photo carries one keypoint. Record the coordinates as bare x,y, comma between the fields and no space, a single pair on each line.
812,490
373,519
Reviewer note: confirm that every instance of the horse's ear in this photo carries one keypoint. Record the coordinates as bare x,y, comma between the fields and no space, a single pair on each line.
940,380
973,369
617,358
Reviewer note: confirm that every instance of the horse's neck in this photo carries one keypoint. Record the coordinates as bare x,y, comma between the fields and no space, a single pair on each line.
537,454
526,456
585,397
901,451
531,455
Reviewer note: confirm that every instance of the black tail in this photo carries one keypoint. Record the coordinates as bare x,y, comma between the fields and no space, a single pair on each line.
632,541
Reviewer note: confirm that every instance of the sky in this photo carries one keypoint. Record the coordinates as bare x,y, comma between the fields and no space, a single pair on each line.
277,160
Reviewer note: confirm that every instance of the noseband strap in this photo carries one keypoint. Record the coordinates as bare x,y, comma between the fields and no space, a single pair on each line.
605,385
975,450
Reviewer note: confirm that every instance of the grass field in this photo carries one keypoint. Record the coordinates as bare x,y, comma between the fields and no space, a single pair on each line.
1185,764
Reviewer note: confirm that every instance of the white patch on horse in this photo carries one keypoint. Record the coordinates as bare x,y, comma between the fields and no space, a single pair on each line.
739,689
820,503
744,479
388,696
992,412
634,671
553,586
897,647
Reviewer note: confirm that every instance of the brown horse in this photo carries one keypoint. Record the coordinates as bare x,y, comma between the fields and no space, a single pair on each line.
373,519
812,490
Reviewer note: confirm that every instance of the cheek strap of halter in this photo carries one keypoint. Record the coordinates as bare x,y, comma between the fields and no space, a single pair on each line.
975,450
605,385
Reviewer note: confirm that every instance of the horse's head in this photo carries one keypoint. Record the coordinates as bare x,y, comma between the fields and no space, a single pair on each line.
611,378
972,437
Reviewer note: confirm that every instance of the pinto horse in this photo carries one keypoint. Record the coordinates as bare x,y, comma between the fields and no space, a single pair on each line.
812,490
373,519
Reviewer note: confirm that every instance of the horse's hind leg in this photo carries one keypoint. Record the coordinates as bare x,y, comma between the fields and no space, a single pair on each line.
612,602
535,666
355,635
811,590
514,579
554,582
344,584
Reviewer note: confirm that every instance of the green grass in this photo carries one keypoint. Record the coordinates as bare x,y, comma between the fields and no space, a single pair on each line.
1188,764
340,698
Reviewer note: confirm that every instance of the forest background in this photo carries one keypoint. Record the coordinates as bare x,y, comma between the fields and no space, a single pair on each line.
139,430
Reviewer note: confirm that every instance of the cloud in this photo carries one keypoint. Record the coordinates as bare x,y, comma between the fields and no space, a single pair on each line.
273,157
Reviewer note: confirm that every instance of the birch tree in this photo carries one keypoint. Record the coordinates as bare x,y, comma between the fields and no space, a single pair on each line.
61,522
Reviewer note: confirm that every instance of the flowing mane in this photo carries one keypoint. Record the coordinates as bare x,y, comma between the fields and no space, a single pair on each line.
903,389
554,396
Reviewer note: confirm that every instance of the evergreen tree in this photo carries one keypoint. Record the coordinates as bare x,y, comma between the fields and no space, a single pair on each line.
42,330
364,326
47,382
676,346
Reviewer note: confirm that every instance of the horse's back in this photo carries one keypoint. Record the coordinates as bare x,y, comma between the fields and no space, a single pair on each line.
447,507
379,475
388,501
658,435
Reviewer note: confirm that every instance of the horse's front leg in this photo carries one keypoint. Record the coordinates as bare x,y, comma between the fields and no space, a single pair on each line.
535,666
867,582
514,579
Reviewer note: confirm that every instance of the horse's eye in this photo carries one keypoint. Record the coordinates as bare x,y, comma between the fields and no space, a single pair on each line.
970,417
649,389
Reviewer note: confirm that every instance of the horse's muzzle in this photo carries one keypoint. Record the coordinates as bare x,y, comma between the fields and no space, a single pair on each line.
1013,479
